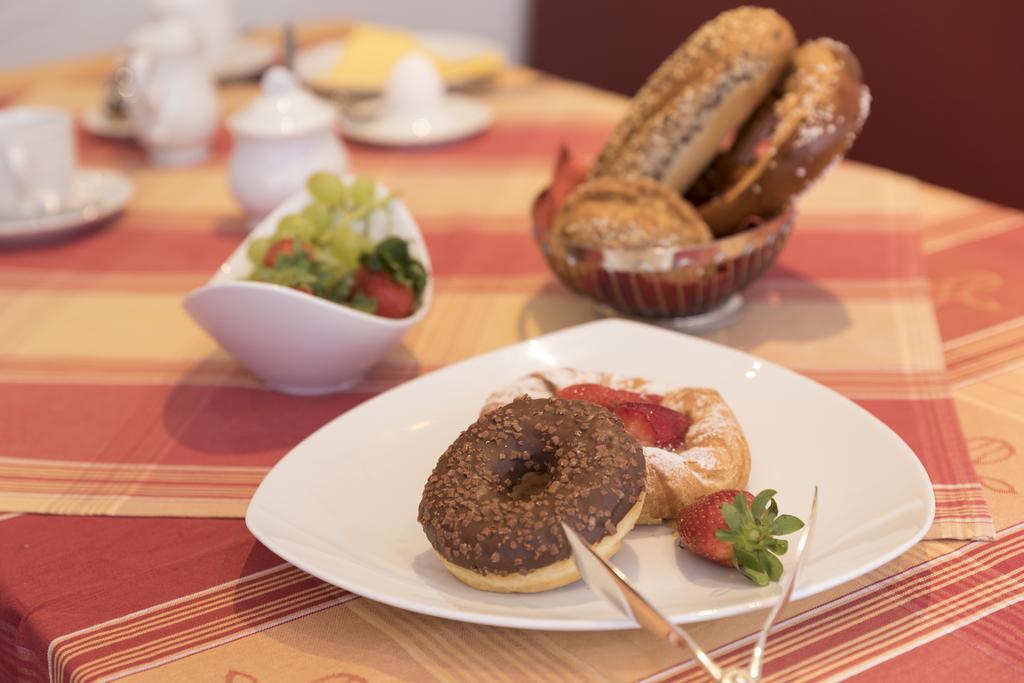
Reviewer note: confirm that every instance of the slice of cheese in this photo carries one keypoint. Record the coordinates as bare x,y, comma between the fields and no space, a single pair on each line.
370,54
467,69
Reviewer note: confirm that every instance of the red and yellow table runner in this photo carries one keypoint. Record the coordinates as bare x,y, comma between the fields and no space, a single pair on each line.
113,403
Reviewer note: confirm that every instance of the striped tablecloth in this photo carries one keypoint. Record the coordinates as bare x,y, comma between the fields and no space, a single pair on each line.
113,404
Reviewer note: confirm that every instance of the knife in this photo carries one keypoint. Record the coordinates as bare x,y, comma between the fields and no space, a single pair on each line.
607,581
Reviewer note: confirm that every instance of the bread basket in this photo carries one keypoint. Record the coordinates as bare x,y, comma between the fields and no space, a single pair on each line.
690,287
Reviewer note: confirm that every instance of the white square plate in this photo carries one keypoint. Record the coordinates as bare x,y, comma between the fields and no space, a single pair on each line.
342,505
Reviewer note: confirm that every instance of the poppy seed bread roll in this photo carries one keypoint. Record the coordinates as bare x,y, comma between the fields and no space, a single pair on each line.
698,97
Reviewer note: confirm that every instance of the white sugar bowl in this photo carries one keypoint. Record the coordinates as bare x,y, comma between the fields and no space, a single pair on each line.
281,138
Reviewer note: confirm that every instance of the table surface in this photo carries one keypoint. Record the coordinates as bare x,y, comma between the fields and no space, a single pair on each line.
194,598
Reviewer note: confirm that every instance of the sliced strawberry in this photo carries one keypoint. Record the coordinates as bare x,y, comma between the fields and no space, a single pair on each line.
670,426
652,424
637,423
284,247
394,300
604,396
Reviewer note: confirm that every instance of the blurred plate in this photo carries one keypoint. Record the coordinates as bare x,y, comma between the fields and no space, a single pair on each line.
98,123
96,194
342,504
247,58
312,64
460,117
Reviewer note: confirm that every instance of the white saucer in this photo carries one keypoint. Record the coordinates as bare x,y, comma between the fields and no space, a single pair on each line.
96,122
460,117
96,193
247,58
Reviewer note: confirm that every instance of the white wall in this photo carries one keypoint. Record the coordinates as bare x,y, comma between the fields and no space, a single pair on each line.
42,30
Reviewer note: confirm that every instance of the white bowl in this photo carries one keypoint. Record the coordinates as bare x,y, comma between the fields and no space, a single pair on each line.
295,342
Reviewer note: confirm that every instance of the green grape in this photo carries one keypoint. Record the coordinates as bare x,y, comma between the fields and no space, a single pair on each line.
346,257
348,246
326,187
258,249
363,191
294,224
362,243
318,215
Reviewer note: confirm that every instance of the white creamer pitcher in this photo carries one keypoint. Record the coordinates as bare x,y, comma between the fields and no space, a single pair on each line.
173,102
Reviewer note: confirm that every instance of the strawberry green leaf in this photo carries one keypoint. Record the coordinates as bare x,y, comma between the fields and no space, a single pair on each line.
771,564
760,504
733,517
372,261
394,252
741,504
779,546
363,303
755,575
392,255
402,279
785,524
745,558
342,289
728,536
418,274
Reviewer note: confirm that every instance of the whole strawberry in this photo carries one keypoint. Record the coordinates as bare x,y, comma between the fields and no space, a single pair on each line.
393,299
735,528
389,281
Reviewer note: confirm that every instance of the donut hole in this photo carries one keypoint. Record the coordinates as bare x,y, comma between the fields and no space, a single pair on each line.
527,467
530,484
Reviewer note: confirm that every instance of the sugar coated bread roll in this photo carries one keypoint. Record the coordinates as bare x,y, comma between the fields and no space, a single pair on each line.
795,137
625,213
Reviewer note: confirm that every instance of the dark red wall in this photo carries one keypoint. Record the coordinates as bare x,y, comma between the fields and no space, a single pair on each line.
947,77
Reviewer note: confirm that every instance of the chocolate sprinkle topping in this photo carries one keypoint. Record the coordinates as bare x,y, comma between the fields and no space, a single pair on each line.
494,500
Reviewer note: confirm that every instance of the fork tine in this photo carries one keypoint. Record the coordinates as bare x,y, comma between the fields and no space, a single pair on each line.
757,659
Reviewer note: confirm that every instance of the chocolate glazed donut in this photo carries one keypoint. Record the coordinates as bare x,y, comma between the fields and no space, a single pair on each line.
491,508
792,139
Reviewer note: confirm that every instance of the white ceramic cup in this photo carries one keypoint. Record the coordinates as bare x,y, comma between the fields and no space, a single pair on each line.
213,19
37,161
